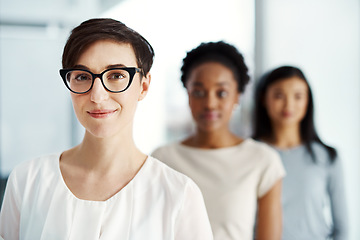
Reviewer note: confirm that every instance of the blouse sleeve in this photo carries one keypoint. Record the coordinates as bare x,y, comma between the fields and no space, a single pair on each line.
10,211
338,201
273,171
192,222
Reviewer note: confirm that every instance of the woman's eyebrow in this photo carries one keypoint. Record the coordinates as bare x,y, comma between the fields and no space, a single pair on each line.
79,66
197,84
223,83
115,66
200,84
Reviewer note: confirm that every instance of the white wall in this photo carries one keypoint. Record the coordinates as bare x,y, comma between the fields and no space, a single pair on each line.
321,37
34,104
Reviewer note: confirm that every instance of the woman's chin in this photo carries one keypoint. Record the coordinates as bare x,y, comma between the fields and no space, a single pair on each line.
101,133
289,122
209,127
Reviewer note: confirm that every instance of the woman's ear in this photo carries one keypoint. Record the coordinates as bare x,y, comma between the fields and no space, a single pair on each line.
236,102
144,86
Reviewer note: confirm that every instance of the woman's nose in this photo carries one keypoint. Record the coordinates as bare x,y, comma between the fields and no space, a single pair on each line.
98,93
210,101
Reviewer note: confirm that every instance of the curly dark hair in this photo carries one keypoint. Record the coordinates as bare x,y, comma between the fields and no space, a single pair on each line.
219,52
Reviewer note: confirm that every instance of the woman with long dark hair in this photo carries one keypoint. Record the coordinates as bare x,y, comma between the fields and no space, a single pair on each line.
284,119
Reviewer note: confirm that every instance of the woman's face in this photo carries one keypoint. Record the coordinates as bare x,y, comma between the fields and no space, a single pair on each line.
103,113
286,101
212,91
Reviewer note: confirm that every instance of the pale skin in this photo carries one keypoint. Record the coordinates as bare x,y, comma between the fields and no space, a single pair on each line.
286,102
213,94
107,158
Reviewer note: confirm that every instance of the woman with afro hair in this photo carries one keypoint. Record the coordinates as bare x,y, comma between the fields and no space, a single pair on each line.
240,178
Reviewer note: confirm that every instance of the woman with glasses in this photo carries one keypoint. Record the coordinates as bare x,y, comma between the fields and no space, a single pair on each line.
284,119
104,188
238,177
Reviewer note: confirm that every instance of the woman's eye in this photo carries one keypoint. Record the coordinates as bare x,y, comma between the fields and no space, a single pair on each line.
299,96
278,95
223,94
198,93
116,76
83,77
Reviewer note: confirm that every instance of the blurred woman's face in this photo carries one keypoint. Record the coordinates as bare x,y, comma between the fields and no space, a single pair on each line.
286,101
212,91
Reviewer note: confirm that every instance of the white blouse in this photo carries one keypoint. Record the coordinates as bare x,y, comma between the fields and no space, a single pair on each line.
159,203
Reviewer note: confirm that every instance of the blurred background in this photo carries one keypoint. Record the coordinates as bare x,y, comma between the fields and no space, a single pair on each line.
321,37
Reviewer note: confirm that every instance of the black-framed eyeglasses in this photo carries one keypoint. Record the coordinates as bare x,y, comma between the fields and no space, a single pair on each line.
114,80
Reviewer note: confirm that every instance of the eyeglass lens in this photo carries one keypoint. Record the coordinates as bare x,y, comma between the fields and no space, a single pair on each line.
114,80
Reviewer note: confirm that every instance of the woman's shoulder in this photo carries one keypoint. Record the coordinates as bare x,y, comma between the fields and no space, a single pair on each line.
260,149
35,166
37,162
263,157
162,178
321,153
172,153
167,148
167,175
29,175
180,197
318,148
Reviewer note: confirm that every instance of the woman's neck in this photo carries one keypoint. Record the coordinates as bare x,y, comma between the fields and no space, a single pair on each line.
106,154
285,137
98,168
212,140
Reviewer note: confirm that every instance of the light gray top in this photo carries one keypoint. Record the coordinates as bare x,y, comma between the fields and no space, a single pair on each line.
314,204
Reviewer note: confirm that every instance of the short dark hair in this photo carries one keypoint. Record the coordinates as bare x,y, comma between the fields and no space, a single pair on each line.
97,29
262,124
220,52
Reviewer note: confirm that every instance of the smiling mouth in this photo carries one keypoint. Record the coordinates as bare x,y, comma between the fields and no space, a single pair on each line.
210,116
101,113
286,114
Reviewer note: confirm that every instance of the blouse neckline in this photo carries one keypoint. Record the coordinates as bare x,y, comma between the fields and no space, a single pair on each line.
113,197
285,150
209,150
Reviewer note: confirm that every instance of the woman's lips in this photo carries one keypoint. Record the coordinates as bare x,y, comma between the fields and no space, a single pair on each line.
286,114
210,116
101,113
